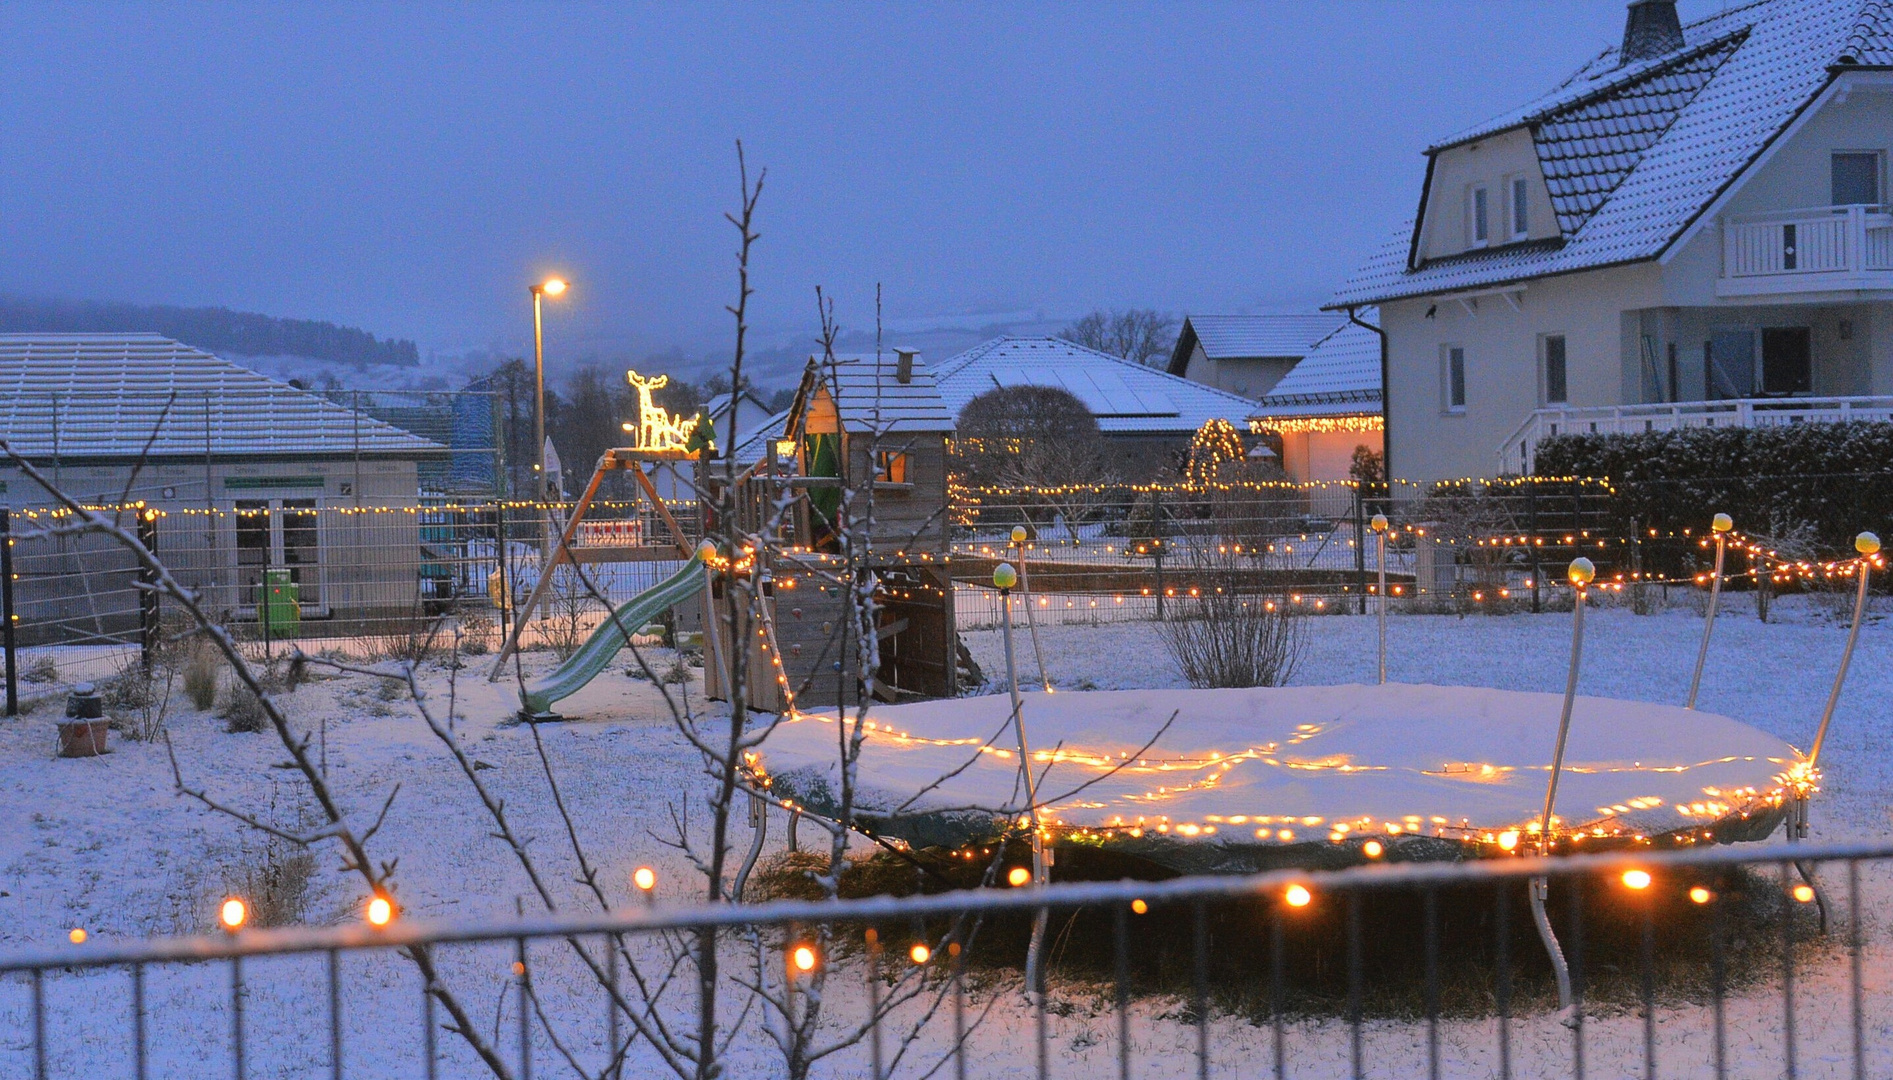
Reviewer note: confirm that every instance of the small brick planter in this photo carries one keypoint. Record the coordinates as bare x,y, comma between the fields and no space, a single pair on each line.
84,731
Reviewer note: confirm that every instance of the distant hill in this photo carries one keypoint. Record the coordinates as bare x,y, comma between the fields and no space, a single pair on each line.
216,330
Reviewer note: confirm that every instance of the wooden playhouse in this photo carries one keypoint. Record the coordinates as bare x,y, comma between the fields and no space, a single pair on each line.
862,457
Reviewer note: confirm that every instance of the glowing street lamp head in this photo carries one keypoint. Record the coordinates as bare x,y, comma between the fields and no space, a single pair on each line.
1018,534
1004,576
380,911
1722,523
233,914
550,286
644,878
1867,544
1379,523
1583,571
1636,879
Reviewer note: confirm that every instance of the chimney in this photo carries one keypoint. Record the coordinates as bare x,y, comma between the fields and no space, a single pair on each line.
1652,29
904,365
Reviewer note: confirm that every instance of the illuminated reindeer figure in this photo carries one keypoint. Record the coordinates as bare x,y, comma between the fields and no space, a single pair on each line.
656,429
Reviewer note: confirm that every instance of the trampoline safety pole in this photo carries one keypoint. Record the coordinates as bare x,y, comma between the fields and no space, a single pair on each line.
1025,591
1720,526
1004,578
1581,573
1868,545
1380,609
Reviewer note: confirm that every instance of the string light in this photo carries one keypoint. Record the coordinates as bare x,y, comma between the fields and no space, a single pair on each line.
1139,907
920,954
233,914
1700,895
1636,879
380,910
803,958
1297,896
644,878
1018,876
76,935
1317,425
1804,893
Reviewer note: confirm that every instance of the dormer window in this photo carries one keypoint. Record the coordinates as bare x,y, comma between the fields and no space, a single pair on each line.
1478,217
1520,197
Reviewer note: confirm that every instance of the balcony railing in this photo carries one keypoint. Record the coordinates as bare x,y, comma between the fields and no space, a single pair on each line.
1820,248
1519,451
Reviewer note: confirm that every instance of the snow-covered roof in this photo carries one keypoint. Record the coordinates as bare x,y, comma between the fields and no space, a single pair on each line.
1870,43
1634,155
102,395
870,396
1341,376
1229,337
1126,398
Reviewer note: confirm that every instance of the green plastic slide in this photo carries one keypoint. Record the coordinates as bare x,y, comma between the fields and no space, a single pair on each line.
596,654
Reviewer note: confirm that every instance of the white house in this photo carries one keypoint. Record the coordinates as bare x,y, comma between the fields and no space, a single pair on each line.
1692,229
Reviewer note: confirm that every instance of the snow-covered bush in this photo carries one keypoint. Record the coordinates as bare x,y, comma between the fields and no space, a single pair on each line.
200,675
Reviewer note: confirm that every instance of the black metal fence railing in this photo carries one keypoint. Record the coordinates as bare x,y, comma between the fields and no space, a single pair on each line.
1715,961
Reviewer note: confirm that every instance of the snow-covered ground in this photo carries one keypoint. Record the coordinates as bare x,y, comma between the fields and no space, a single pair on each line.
105,844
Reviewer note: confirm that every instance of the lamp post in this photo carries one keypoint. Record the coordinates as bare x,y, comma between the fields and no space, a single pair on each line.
548,287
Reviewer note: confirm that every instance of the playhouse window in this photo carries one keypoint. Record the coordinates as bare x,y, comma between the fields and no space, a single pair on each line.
890,466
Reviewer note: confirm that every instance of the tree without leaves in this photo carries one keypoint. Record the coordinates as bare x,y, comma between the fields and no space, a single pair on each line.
1140,335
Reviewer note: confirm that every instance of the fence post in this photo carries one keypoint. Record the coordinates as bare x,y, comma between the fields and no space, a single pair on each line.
1156,554
6,611
1531,515
147,592
1360,542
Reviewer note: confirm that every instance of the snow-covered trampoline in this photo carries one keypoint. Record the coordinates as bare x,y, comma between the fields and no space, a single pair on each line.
1242,779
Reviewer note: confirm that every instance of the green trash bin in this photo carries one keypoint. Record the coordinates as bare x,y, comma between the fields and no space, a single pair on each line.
282,607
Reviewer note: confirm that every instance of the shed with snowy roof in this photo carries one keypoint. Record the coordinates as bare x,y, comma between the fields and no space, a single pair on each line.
1146,414
246,474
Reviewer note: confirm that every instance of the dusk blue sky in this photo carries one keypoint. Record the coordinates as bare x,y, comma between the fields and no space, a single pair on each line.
410,168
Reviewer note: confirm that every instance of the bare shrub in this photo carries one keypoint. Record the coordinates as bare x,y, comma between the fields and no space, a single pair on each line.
563,625
1232,635
200,675
475,633
41,669
137,700
275,877
243,711
412,639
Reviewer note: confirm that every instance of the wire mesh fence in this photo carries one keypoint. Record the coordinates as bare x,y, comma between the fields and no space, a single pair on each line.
1723,961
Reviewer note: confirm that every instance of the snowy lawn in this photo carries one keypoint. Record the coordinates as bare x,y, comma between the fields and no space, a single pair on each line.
105,844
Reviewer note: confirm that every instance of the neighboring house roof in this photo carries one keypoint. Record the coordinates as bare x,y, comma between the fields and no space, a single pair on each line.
1125,397
869,397
102,395
1339,377
1240,337
1634,155
718,410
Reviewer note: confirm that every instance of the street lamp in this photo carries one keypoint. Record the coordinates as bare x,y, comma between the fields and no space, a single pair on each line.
548,287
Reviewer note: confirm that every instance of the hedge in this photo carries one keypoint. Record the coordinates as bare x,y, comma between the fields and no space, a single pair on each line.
1825,482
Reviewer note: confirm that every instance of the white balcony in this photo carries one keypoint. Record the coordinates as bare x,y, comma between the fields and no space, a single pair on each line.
1823,249
1519,451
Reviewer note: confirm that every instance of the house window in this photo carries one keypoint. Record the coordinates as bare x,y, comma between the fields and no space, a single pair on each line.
1477,220
1453,379
1556,383
1856,177
1521,208
890,466
1787,361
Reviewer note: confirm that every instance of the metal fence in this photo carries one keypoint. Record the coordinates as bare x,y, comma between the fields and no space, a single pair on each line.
1716,961
375,577
1116,554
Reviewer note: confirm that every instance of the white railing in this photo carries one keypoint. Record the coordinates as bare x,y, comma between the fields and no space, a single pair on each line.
1518,452
1832,241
